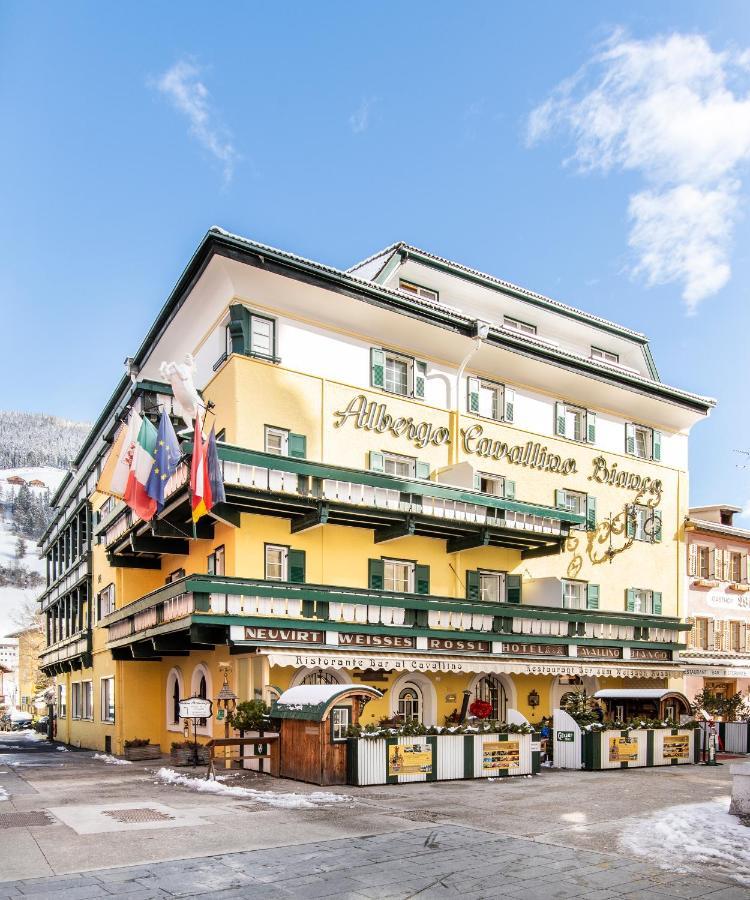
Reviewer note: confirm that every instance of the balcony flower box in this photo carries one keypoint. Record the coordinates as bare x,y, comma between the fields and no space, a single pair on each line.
739,586
706,582
137,750
184,754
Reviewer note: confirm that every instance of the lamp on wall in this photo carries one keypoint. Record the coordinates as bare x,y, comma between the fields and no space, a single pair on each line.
533,699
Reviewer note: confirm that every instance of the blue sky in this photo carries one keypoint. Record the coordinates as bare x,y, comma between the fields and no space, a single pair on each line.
334,129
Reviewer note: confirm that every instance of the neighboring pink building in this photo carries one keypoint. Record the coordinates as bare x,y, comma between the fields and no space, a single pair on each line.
718,603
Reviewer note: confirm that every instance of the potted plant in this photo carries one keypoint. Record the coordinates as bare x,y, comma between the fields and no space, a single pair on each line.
250,715
183,753
138,749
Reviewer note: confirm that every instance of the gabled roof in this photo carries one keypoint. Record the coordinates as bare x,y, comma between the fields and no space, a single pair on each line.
311,701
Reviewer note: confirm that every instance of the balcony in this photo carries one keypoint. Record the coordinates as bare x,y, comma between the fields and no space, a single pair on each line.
201,611
74,577
313,494
69,654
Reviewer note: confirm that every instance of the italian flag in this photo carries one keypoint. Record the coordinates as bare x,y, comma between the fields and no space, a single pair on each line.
200,483
141,463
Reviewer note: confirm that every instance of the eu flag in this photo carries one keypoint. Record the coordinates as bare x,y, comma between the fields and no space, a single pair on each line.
166,458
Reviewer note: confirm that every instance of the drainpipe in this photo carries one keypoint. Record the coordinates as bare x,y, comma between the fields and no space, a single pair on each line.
481,330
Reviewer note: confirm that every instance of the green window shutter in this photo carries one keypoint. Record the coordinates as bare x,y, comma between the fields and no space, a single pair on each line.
472,400
630,438
657,526
592,596
297,445
422,579
559,504
477,481
377,368
656,445
296,565
420,378
510,489
656,602
377,461
629,522
590,513
560,419
472,584
422,469
510,399
375,574
591,427
512,588
630,600
239,328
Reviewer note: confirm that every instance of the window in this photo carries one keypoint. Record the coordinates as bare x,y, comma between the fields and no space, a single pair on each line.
398,576
574,594
87,700
490,400
491,690
340,718
175,576
262,339
735,567
492,586
644,523
105,601
215,563
202,692
403,466
734,637
108,699
517,325
276,563
605,355
640,600
642,441
491,484
417,290
318,676
276,441
396,375
62,702
409,705
173,694
704,562
574,423
701,634
75,696
572,501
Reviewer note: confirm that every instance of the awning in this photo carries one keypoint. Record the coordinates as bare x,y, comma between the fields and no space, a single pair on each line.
457,665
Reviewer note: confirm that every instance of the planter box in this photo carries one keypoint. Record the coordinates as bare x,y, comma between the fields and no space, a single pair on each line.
441,757
137,754
186,757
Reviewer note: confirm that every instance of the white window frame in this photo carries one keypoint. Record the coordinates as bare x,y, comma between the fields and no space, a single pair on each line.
255,317
580,413
76,699
87,700
498,402
62,701
425,293
605,355
641,517
493,485
107,593
219,555
400,359
395,460
107,685
578,508
643,601
396,566
648,440
569,600
491,583
517,325
341,717
282,434
271,549
419,700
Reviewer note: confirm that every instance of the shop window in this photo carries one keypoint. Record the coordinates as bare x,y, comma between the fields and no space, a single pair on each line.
410,704
215,562
490,689
340,721
418,291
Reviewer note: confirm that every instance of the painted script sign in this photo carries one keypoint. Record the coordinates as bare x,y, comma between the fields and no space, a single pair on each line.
536,649
284,635
373,416
375,640
531,454
607,473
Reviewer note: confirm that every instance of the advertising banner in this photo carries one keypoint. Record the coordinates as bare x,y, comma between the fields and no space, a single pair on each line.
410,759
501,755
623,749
676,746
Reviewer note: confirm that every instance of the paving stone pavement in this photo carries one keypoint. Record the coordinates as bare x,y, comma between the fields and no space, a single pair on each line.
440,861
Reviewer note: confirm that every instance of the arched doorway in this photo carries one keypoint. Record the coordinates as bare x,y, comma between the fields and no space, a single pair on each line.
410,704
491,690
566,684
413,695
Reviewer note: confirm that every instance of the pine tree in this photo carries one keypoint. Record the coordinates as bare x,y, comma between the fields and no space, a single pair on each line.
20,547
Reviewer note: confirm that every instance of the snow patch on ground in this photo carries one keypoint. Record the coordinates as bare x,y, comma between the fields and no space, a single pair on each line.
694,835
112,760
279,799
63,749
3,795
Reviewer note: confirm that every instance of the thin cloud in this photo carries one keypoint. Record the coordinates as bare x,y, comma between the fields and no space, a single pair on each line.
664,109
182,86
359,120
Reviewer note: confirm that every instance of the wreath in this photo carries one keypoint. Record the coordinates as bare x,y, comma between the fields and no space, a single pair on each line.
481,709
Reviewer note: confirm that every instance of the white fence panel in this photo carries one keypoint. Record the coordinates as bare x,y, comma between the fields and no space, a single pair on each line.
450,757
566,754
371,761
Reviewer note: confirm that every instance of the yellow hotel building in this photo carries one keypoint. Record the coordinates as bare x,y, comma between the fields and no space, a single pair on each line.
436,482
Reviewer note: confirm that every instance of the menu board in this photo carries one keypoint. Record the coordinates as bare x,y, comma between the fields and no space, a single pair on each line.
676,746
623,749
501,755
410,759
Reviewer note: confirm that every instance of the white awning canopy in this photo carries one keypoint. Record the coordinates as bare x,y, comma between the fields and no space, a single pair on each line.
633,694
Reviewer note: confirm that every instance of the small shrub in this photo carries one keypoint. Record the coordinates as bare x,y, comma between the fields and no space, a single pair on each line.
137,742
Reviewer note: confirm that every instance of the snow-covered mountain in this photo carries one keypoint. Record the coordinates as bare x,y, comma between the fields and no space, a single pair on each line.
35,452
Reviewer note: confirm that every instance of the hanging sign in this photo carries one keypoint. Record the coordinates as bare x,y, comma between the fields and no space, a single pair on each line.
196,708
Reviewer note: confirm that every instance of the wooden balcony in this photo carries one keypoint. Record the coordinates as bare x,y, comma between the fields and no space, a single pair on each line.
67,655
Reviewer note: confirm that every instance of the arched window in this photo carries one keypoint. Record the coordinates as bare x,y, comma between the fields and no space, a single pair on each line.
410,704
176,702
491,690
201,686
175,692
202,692
318,676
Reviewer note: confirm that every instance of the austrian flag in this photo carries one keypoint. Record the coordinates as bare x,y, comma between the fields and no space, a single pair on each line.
200,482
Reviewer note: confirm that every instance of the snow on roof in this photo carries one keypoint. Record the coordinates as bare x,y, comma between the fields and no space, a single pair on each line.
311,694
311,701
635,693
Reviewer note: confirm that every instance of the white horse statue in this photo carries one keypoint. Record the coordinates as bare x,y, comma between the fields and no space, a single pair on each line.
180,376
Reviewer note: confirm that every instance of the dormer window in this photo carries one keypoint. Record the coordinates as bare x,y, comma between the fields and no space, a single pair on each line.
418,290
605,355
518,325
